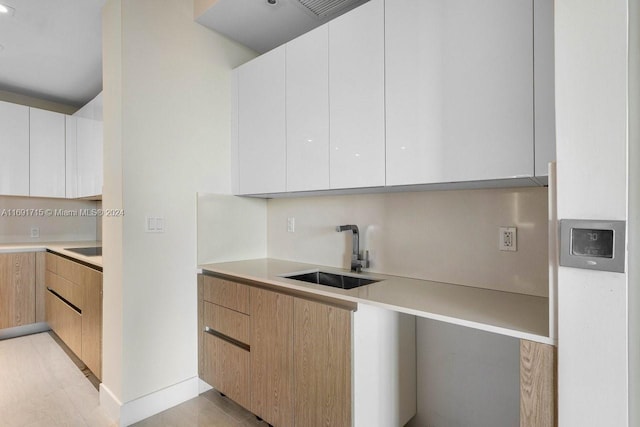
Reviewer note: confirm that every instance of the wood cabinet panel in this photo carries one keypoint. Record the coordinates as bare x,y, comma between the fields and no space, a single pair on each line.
228,322
65,322
227,294
17,289
51,262
272,357
41,287
92,321
226,367
322,360
537,384
68,290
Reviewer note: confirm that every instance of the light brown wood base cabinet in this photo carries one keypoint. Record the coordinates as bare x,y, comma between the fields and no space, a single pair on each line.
538,385
17,289
74,308
295,367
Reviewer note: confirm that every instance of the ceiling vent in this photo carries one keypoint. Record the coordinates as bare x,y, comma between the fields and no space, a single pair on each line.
325,8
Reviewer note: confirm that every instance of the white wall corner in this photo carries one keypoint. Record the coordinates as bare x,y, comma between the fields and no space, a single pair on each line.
203,387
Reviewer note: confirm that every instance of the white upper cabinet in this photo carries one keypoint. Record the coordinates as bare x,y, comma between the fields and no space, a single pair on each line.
459,90
71,156
14,149
356,94
307,111
261,147
89,151
544,74
47,153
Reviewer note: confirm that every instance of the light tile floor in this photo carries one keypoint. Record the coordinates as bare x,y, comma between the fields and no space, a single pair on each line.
40,385
208,409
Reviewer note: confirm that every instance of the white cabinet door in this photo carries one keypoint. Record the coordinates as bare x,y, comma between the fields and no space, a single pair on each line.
261,124
459,90
544,74
307,105
47,153
89,149
356,94
71,156
14,149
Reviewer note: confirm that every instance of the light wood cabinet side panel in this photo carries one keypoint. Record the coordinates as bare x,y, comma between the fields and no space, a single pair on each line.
227,294
40,286
200,325
272,356
226,368
227,322
537,384
65,322
17,289
322,357
92,321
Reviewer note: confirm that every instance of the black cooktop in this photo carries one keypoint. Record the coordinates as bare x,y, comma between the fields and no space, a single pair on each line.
94,251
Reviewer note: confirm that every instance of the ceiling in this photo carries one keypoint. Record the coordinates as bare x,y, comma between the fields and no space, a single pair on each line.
52,49
262,26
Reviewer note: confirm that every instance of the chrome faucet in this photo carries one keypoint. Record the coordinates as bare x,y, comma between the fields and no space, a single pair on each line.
357,263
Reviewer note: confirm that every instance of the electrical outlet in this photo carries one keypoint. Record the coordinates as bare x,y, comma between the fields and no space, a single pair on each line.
291,225
35,232
154,224
508,239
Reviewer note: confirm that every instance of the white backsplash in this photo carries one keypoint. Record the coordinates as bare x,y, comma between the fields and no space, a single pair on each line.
447,236
18,215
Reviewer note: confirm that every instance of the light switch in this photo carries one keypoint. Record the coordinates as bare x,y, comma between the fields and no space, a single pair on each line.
154,224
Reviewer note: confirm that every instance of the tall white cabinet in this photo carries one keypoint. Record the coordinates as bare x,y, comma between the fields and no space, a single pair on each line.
307,111
356,91
47,153
89,157
261,136
459,88
14,149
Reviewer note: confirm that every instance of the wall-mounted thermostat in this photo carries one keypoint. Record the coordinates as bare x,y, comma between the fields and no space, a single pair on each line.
592,244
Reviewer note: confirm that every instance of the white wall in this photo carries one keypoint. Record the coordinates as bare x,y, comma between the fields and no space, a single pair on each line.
634,214
448,236
591,119
466,377
56,228
167,136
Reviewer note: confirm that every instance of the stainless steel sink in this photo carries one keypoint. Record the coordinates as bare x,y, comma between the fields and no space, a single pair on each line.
331,279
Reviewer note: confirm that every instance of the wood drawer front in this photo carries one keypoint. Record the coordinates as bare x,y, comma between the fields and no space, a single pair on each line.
68,290
51,262
65,322
228,322
92,321
227,294
70,270
226,368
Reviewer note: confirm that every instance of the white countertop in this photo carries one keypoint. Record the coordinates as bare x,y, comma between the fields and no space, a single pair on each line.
505,313
58,247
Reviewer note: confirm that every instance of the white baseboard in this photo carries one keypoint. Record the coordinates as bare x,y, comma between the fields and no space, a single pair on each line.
203,386
110,403
19,331
151,404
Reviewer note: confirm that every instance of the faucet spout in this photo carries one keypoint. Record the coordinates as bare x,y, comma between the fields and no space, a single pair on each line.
357,263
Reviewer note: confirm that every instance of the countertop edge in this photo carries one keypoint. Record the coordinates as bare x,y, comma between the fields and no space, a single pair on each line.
342,295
